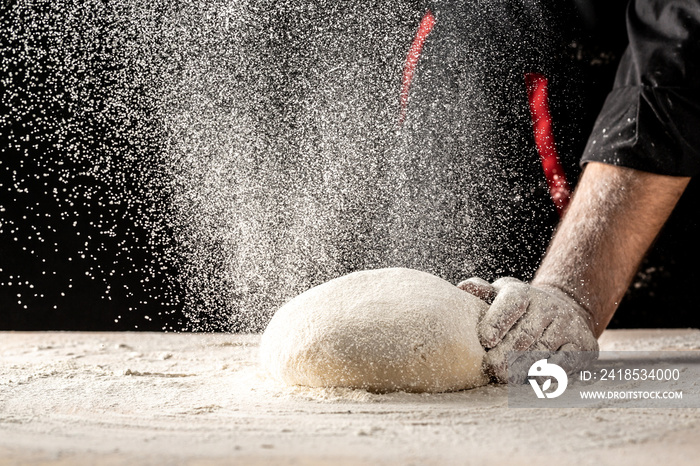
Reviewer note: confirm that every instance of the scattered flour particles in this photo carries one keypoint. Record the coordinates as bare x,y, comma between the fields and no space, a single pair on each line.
381,330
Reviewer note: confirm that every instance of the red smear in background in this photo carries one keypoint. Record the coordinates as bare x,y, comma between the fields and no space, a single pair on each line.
538,97
426,25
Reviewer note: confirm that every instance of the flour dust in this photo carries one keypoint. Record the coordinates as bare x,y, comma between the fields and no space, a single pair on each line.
219,157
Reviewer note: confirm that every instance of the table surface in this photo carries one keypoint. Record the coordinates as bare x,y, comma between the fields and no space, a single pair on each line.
156,398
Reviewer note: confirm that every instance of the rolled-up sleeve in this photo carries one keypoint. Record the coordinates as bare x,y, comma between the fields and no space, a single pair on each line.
651,119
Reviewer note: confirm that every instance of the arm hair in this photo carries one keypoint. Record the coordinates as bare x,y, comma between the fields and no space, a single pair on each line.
614,216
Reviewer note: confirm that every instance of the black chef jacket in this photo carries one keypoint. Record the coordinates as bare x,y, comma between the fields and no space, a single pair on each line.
651,119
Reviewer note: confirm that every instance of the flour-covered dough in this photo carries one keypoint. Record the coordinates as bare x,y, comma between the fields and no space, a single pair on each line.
382,330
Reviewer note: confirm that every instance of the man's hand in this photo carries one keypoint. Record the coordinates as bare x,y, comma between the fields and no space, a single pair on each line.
613,218
523,317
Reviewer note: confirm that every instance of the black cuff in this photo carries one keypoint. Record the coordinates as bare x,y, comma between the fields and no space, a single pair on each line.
654,129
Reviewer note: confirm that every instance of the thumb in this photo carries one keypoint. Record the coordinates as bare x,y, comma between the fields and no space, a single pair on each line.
479,288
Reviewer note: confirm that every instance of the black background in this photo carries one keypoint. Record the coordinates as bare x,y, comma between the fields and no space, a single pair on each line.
123,283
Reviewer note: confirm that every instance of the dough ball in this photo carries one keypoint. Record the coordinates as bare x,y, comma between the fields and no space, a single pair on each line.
381,330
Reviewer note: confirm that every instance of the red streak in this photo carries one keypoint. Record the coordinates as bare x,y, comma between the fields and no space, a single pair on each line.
537,94
426,25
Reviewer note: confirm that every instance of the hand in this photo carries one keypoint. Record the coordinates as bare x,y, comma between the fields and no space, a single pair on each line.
524,317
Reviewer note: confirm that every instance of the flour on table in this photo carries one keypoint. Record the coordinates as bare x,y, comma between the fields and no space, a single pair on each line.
381,330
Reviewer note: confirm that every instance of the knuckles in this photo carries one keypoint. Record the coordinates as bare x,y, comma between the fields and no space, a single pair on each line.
562,323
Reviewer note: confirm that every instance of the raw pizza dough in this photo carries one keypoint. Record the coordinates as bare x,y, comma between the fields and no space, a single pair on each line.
381,330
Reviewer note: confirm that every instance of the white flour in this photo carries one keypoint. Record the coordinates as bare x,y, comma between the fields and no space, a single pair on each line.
122,398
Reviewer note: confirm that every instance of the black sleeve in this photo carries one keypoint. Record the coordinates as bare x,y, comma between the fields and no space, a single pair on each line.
651,119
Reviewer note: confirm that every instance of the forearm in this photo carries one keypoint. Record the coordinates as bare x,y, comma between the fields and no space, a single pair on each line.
613,218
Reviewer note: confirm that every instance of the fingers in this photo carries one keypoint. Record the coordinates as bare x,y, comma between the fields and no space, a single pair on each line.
479,288
572,359
506,363
509,305
539,334
565,335
501,282
520,363
527,324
